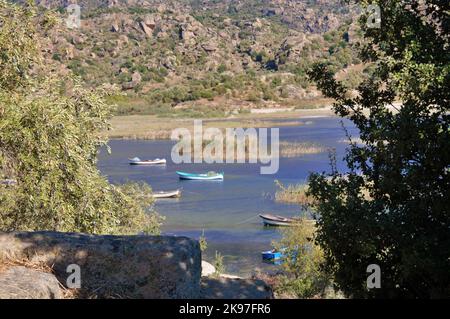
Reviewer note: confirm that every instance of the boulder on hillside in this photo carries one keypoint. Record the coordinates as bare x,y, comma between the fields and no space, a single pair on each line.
113,266
150,21
147,30
209,47
136,78
115,27
76,40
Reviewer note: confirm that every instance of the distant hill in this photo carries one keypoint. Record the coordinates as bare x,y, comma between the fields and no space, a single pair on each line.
219,55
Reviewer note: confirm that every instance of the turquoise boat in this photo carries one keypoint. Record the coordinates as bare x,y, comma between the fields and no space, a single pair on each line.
210,176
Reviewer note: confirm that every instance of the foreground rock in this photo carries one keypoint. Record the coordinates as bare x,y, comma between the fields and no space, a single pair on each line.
235,288
23,283
114,266
207,269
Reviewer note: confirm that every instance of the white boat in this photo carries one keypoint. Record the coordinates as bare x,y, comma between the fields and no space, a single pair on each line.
276,220
168,194
138,161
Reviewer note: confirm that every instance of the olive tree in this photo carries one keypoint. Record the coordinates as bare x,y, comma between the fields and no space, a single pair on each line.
50,133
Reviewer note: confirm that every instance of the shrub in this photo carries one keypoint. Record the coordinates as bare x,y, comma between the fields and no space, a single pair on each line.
50,136
202,241
303,276
218,264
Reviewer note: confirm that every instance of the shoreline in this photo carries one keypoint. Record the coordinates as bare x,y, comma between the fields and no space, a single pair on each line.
151,127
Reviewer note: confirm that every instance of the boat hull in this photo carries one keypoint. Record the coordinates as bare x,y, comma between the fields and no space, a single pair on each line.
157,162
270,255
200,177
273,220
172,194
275,223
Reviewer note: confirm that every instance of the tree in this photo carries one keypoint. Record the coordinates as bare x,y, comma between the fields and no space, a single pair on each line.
302,273
392,207
50,133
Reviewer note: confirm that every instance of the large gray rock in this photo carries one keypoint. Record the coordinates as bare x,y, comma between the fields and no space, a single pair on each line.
19,282
114,266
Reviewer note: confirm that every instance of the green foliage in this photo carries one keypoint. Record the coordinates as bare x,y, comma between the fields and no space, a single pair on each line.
403,225
353,79
16,34
221,68
218,264
50,136
202,241
303,277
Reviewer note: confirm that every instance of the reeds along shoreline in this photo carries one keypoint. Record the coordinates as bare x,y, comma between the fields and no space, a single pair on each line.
286,149
152,128
293,149
298,194
293,194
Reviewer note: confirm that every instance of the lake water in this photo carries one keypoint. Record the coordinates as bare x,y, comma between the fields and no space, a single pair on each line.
227,210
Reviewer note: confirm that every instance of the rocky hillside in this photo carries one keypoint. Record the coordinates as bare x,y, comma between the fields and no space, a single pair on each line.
207,56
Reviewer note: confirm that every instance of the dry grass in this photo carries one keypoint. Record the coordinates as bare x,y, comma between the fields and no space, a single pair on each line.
154,127
287,149
150,127
245,156
293,149
7,262
293,194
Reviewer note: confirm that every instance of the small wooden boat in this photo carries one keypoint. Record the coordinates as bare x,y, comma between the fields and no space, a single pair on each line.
276,220
169,194
138,161
210,176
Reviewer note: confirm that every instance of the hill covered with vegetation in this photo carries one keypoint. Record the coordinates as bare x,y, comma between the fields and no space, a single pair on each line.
208,57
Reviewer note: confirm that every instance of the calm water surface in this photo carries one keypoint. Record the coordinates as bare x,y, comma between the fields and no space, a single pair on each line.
227,210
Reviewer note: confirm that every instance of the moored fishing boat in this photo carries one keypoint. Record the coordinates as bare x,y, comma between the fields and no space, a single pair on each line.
276,220
168,194
138,161
272,254
210,176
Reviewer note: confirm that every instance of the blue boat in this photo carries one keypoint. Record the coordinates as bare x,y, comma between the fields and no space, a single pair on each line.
210,176
272,255
278,257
